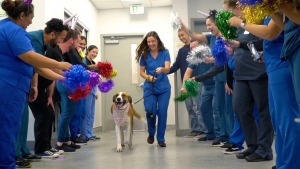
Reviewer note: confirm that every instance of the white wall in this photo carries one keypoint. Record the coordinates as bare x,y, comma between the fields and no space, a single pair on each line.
114,21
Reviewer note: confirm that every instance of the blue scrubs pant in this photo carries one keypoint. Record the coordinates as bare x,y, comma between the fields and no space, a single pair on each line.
12,105
295,70
193,107
67,112
224,109
77,119
283,100
88,122
20,146
237,137
159,104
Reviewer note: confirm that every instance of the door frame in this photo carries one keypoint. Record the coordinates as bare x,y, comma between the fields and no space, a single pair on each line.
102,43
198,21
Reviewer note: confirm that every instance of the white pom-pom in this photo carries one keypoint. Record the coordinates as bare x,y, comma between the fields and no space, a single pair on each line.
198,54
175,22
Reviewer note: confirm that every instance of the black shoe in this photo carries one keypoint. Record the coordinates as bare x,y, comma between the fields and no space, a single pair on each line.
243,155
226,145
21,163
72,145
274,167
56,151
161,144
31,158
150,140
65,148
47,154
232,150
256,158
78,140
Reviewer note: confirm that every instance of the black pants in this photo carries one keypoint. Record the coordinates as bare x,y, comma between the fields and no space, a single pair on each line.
44,116
247,92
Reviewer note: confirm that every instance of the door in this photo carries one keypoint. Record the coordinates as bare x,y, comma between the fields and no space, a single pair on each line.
120,52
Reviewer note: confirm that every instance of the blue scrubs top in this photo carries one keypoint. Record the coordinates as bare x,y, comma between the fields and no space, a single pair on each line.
37,39
202,68
211,41
291,44
272,51
162,82
14,41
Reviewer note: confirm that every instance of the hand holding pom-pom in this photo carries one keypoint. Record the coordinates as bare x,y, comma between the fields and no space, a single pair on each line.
175,21
105,69
198,54
106,86
220,52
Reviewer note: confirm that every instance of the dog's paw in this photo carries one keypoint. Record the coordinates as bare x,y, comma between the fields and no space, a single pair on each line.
123,145
119,149
129,144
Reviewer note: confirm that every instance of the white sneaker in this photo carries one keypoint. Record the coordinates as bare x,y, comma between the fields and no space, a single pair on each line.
47,154
56,151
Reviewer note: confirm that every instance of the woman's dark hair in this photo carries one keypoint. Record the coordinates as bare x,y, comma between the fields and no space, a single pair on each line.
15,8
91,47
55,25
212,15
143,48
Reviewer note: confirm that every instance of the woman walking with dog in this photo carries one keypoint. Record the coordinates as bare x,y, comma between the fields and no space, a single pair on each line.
154,61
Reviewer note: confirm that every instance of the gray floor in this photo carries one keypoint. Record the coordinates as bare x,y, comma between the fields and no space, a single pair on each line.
181,153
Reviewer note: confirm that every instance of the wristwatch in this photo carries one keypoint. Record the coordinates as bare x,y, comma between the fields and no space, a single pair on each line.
243,24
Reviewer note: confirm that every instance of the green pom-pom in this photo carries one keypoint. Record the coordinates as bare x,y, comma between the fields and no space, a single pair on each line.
182,97
222,20
191,87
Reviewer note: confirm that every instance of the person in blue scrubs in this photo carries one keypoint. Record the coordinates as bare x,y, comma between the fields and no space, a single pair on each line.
283,105
224,125
16,69
88,122
154,62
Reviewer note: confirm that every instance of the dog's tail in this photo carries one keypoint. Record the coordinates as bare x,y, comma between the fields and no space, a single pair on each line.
137,115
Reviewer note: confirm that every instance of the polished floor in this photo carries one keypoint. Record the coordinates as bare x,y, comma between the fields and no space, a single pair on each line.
180,153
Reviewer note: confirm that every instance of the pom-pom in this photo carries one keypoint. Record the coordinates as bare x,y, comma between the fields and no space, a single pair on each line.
250,2
182,97
198,54
175,22
80,93
220,52
105,68
94,79
76,76
259,11
106,86
113,74
223,25
191,87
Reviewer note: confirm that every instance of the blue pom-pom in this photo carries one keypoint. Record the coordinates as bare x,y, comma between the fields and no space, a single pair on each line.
76,76
250,2
220,52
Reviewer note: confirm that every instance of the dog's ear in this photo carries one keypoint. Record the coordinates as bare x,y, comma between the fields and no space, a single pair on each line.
130,99
114,97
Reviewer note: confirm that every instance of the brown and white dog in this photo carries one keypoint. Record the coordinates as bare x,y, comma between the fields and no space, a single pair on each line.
123,112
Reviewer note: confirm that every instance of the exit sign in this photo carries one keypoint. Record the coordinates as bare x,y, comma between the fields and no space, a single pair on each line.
136,9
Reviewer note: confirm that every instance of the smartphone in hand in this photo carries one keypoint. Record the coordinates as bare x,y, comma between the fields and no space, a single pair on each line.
253,51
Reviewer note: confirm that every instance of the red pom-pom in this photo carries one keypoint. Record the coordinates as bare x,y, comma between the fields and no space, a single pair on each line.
105,68
80,93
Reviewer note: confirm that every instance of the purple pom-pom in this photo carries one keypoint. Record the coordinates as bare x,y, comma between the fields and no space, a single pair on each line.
94,79
106,86
76,76
28,2
220,52
250,2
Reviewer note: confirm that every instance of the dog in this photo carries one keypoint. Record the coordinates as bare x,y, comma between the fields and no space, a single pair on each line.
122,111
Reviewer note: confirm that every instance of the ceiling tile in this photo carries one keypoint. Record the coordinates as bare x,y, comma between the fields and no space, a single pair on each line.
108,5
161,2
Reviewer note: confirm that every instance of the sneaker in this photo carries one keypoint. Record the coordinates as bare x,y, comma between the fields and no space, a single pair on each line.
191,135
233,150
199,136
161,144
72,145
78,140
150,139
205,139
96,138
217,143
47,154
65,148
21,163
31,158
56,151
226,145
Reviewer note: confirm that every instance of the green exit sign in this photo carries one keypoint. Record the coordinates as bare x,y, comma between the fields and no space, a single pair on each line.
136,9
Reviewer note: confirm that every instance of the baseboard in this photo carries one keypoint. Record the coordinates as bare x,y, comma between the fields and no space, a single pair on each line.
171,127
182,132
